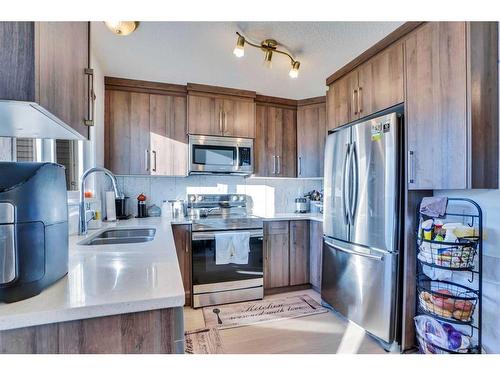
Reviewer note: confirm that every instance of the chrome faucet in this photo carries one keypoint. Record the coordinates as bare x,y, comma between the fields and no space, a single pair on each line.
82,228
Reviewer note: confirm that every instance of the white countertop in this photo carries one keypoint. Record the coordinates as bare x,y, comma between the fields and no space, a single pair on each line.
107,280
294,216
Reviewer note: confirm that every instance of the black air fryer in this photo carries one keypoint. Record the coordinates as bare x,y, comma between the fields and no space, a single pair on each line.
33,228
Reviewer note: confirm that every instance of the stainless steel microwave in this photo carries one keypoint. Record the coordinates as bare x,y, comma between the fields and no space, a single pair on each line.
224,155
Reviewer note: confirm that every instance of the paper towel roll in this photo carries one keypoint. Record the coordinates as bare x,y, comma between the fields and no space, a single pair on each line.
110,206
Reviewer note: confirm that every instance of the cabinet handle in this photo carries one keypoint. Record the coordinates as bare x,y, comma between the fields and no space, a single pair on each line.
354,95
274,164
89,118
154,160
300,166
279,164
224,129
411,167
146,159
220,121
360,106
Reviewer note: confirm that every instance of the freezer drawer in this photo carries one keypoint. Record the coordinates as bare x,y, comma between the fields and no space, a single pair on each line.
360,284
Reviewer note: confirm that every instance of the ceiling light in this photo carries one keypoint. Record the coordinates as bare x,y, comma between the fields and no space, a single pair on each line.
239,50
294,71
269,47
122,28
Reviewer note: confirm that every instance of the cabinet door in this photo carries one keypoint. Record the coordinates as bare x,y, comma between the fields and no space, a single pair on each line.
204,115
127,132
311,137
182,239
436,106
286,141
264,145
276,247
63,50
299,252
238,118
381,81
168,135
342,101
315,248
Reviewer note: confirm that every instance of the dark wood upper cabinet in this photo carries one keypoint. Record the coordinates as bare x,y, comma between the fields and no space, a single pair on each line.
452,105
47,62
276,141
220,111
145,128
341,101
311,137
299,252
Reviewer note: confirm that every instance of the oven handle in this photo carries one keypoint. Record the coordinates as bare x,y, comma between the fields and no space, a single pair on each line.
199,236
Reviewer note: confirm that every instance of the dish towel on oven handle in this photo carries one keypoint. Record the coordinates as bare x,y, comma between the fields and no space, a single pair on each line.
232,247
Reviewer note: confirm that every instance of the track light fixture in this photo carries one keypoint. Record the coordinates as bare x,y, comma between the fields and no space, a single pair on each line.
269,47
122,28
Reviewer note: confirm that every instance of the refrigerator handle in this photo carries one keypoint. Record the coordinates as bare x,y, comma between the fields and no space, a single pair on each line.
352,252
354,165
345,212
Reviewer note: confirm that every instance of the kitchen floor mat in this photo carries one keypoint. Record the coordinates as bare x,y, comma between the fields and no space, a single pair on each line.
203,341
248,313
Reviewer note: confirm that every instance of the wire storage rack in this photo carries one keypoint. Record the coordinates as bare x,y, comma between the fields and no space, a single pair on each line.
449,280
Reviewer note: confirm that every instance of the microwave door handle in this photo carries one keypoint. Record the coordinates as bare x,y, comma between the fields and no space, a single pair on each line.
237,158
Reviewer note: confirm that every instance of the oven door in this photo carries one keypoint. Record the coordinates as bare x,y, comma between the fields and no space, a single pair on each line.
225,283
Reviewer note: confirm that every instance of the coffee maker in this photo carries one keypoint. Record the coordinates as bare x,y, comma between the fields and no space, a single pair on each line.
33,228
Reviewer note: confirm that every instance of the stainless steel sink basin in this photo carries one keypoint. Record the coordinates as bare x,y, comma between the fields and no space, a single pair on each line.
121,236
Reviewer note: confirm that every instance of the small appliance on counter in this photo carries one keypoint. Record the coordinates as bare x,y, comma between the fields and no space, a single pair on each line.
33,228
301,205
121,208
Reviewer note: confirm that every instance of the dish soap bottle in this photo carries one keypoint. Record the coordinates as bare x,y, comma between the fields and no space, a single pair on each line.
141,206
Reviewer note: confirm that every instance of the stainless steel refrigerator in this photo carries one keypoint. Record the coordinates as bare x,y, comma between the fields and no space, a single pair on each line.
361,222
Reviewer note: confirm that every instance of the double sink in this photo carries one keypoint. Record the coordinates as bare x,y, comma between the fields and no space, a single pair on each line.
120,236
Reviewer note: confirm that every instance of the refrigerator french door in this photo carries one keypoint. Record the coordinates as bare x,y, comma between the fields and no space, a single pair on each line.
361,223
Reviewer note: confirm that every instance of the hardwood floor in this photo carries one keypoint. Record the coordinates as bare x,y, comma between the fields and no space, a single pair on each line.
318,334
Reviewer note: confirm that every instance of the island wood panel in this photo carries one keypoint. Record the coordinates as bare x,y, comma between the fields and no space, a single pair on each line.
483,102
182,238
436,100
299,252
276,257
17,59
381,81
168,135
155,331
316,253
204,115
127,132
341,101
63,55
311,137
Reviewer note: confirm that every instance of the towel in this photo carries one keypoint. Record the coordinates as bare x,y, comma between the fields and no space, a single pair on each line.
232,247
433,206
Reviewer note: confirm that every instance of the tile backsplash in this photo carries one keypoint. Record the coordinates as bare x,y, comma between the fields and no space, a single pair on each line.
266,196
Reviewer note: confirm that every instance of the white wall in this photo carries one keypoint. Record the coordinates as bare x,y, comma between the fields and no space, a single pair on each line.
489,200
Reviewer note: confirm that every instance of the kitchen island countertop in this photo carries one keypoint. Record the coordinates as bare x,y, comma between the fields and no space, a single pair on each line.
107,280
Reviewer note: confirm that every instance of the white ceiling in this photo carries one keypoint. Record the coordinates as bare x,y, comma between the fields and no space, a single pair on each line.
201,52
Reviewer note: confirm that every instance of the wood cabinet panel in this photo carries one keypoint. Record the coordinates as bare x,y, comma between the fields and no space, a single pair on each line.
168,133
380,81
264,145
287,158
63,55
316,253
311,137
436,106
299,252
204,115
276,260
238,118
182,239
127,132
341,101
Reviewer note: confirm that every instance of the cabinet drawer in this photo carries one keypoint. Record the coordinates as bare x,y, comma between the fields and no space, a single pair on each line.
276,227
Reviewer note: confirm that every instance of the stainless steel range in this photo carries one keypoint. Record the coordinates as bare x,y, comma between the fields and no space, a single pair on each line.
219,218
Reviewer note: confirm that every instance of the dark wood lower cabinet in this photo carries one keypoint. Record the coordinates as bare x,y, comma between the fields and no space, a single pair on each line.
299,252
148,332
182,239
276,254
316,253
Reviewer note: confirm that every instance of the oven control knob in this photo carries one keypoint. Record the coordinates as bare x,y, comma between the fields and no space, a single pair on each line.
234,198
199,198
242,198
192,198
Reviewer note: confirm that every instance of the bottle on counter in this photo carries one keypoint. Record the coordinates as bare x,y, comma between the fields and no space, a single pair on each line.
141,206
